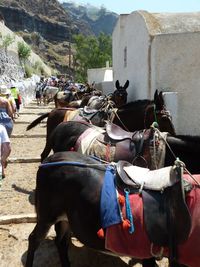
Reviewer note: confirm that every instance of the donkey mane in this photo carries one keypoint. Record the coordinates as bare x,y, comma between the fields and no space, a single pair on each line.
136,104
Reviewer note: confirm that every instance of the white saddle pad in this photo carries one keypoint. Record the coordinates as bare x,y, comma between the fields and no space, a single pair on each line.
155,180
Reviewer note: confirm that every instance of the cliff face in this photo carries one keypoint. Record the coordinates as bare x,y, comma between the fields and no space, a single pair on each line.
54,24
20,20
47,17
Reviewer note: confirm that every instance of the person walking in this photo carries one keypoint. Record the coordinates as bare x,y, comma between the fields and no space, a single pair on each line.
38,93
6,93
5,150
16,95
6,113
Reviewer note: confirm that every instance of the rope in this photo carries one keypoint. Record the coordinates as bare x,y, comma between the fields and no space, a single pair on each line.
177,160
167,144
120,121
128,211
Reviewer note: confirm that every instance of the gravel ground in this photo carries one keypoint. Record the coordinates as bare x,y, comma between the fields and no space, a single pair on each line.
17,197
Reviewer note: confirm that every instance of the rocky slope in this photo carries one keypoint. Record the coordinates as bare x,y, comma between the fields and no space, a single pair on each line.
47,26
98,20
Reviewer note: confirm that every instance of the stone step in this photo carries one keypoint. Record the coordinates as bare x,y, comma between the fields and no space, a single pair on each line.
38,108
27,136
18,218
24,160
27,122
32,113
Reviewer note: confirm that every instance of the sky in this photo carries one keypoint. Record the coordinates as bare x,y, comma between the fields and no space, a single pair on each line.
127,6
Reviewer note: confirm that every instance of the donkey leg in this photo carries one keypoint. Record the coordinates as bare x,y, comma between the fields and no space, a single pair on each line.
46,151
62,241
37,235
149,263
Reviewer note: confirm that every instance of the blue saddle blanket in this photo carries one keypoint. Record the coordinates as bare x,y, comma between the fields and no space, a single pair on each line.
109,206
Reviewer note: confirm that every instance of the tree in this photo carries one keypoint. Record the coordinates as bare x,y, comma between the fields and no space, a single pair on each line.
6,41
91,52
24,52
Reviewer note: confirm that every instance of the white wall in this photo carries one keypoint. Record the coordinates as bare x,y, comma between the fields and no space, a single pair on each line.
163,52
100,75
131,32
176,67
103,78
105,87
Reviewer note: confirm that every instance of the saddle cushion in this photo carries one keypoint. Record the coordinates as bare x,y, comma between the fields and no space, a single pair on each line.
154,180
71,115
85,141
101,150
158,150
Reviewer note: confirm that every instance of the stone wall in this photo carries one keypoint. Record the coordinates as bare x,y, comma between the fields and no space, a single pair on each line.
11,72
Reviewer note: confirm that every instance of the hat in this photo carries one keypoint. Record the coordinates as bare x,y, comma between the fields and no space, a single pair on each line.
4,90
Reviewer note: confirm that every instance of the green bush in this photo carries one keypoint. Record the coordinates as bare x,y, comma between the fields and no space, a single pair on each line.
28,71
24,51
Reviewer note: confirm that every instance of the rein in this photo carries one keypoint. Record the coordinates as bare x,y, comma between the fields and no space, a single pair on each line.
124,126
176,158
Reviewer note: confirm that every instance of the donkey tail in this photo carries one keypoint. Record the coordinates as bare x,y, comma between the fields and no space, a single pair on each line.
37,121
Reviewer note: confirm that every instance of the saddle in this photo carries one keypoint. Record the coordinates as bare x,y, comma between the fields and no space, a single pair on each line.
132,143
117,133
89,111
166,215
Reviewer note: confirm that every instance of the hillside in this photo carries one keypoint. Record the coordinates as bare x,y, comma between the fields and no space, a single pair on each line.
47,26
10,67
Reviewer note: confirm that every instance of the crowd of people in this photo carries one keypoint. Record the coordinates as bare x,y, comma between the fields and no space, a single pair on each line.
62,84
10,101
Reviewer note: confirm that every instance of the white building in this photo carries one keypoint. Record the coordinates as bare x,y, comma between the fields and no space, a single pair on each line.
102,77
161,51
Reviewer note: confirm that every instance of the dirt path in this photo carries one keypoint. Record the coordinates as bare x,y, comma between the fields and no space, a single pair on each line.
17,199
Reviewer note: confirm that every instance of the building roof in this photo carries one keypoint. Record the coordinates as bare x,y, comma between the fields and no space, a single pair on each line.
163,23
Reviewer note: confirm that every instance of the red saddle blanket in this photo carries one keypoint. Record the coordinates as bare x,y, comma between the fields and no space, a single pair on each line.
137,244
118,238
120,241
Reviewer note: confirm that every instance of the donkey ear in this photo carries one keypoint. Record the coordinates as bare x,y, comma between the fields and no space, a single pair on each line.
126,85
117,84
156,95
156,98
161,99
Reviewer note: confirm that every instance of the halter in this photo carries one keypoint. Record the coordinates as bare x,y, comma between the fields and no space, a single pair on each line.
163,112
175,157
122,94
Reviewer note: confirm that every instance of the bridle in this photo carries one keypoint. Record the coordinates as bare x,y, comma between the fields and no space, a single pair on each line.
163,113
119,94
